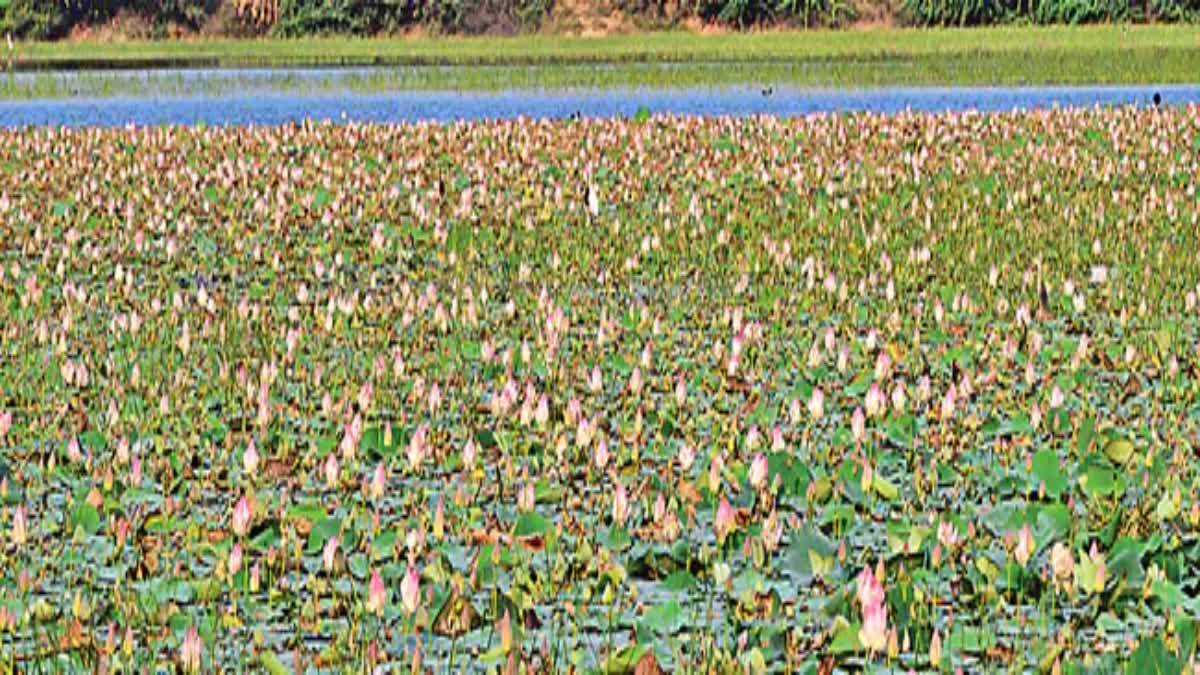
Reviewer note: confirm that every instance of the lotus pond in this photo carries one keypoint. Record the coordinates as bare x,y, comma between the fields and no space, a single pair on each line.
817,394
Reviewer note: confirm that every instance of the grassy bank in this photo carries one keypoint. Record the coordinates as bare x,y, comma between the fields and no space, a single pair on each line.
1001,56
1055,43
1134,67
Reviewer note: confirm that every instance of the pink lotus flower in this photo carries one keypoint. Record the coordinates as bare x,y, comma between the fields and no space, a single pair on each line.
526,498
883,366
135,471
331,471
948,402
417,446
542,414
410,590
376,593
620,509
596,382
250,460
235,559
687,456
899,399
858,425
873,634
329,553
772,532
1056,398
190,651
660,508
725,520
602,453
753,438
868,590
816,404
635,380
947,534
241,517
875,401
1062,562
18,534
1025,545
468,454
777,442
680,392
758,472
794,415
935,649
1101,569
378,481
6,420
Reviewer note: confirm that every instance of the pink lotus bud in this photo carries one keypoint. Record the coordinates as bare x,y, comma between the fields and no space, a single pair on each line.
241,517
410,590
376,594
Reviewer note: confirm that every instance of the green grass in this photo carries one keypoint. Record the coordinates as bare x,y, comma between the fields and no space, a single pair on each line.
538,49
1007,56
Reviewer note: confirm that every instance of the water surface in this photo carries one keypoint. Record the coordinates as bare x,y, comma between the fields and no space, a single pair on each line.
444,106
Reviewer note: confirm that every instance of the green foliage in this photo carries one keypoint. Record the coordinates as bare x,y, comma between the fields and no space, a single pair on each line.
48,19
369,17
1069,12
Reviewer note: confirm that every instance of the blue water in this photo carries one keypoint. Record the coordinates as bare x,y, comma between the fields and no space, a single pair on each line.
409,106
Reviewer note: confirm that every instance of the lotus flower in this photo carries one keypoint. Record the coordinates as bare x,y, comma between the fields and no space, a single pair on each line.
1025,545
235,559
329,552
758,472
948,402
468,454
602,453
868,590
935,649
883,366
378,481
947,534
595,382
873,634
1056,398
899,400
725,520
331,471
858,425
190,651
620,509
526,498
410,590
687,456
241,517
1062,562
875,401
376,593
772,532
816,404
18,534
680,392
250,460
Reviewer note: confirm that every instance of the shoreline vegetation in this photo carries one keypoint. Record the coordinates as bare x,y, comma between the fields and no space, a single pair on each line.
1007,56
817,46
